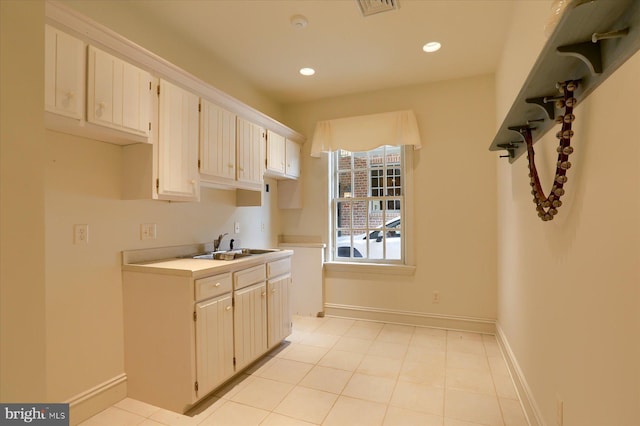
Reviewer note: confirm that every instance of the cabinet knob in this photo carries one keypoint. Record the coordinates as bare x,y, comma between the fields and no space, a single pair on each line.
230,165
217,285
263,294
274,290
228,308
192,181
101,106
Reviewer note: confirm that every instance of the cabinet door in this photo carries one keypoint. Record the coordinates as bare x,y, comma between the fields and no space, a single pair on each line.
292,156
177,144
250,153
275,153
217,142
214,343
250,323
278,309
64,73
118,94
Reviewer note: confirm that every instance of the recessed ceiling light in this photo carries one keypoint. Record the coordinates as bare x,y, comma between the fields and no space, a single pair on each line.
307,71
432,46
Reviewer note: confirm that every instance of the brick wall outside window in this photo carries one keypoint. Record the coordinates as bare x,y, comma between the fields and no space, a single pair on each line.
361,188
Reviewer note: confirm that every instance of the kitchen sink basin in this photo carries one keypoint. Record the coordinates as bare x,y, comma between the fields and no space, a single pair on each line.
232,254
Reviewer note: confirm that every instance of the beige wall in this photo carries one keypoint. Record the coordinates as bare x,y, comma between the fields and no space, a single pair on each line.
455,205
568,290
84,286
22,215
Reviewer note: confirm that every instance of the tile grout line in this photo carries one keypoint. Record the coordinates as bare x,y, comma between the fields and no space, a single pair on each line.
493,382
444,388
345,385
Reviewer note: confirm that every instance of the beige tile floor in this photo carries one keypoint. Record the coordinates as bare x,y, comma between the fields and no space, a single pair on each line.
334,371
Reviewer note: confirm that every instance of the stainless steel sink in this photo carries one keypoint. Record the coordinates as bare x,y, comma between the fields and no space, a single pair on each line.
232,254
259,251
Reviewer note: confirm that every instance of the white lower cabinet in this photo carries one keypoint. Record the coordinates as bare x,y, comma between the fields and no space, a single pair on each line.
214,343
278,301
250,316
186,336
279,309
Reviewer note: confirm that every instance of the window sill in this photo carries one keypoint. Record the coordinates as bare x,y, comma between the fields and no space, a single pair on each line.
372,268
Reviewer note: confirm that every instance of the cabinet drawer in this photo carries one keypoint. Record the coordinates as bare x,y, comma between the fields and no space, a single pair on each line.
279,267
213,286
249,276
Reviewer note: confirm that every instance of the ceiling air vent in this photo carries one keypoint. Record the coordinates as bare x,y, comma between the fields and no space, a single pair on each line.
369,7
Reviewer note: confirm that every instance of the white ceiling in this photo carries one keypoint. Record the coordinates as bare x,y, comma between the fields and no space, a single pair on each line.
349,52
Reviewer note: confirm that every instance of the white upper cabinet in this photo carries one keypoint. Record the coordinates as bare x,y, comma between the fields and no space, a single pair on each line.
231,149
101,86
177,144
64,74
275,154
118,94
283,157
292,157
250,149
217,144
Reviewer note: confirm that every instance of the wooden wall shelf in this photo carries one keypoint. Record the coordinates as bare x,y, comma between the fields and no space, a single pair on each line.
592,39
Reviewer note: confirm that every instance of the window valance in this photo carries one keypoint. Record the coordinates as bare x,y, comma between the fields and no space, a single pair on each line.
366,132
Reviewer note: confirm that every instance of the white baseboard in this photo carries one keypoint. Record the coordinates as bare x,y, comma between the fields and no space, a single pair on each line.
449,322
96,399
527,400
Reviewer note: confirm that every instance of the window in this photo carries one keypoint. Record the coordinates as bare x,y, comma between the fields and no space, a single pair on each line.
367,205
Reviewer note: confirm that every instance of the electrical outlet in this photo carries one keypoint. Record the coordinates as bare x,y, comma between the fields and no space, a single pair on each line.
236,227
262,226
436,297
81,234
147,231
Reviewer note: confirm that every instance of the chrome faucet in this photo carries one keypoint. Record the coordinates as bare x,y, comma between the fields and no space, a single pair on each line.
216,243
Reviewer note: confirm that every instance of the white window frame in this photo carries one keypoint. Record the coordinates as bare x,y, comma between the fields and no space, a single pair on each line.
389,265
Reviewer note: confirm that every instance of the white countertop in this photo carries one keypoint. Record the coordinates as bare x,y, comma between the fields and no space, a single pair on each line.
198,268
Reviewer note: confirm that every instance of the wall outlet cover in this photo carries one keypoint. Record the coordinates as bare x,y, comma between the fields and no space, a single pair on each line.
81,234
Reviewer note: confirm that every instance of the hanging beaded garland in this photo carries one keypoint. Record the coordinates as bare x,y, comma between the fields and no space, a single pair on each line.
547,207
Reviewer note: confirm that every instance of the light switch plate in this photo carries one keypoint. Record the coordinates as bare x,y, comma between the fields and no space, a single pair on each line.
148,231
236,227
